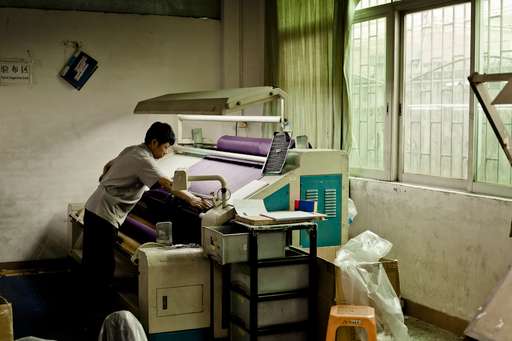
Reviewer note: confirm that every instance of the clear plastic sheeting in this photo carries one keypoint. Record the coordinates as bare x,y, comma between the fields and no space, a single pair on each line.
352,211
365,282
122,326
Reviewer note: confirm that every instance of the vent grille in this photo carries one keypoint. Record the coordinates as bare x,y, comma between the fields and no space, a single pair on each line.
277,154
330,201
312,194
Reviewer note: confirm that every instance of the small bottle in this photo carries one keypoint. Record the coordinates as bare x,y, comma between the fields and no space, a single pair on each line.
164,232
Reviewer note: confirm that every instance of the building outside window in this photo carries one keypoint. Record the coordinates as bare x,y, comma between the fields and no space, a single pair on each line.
414,118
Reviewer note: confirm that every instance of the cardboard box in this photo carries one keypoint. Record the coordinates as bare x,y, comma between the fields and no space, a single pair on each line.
330,291
6,330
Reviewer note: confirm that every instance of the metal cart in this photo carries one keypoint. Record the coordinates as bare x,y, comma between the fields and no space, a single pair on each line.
252,317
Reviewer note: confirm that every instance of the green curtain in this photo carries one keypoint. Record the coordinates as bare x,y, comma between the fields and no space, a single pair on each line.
306,44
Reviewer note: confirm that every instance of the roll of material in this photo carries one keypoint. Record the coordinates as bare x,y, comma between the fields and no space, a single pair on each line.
138,231
236,176
244,145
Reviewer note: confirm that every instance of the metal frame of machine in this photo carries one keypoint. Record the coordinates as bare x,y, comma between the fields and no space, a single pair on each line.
318,174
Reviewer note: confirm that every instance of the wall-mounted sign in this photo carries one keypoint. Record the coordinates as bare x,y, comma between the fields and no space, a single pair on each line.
78,69
15,71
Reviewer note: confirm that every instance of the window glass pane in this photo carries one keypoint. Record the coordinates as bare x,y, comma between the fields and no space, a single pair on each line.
371,3
492,165
368,93
436,91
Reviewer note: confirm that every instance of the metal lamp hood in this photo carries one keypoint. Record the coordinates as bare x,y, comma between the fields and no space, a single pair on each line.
217,102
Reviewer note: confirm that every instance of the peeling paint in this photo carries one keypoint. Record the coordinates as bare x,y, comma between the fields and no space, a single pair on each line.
479,316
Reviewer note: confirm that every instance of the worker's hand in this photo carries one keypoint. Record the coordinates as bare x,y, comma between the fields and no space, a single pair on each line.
202,204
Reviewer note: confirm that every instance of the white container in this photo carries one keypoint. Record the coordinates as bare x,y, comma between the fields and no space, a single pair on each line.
229,243
164,232
240,334
288,310
174,289
272,279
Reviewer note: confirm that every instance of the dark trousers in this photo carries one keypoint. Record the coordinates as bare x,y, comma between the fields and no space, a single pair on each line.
98,250
98,271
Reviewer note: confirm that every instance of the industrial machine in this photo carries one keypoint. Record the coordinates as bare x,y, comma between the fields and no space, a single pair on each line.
174,284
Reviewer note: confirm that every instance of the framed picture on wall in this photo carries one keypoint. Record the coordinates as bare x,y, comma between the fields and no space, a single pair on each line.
79,69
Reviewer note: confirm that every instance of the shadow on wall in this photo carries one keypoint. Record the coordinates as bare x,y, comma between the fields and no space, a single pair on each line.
52,243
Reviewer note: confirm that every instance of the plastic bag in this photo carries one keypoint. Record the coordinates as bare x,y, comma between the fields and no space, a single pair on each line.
365,282
6,327
352,211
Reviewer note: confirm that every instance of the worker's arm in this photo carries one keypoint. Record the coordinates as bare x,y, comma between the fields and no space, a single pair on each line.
105,169
184,195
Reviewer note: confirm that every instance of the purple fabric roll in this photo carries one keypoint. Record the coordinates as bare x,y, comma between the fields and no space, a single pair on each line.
138,231
236,175
244,145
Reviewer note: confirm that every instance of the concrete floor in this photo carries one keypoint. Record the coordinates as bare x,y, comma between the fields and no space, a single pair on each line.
46,306
422,331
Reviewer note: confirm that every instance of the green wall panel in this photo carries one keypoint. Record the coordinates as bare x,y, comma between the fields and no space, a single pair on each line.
326,190
181,8
279,200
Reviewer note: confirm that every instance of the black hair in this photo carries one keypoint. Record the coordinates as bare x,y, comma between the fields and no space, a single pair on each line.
161,132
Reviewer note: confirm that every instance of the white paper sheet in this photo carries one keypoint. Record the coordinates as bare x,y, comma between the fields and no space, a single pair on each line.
289,215
249,207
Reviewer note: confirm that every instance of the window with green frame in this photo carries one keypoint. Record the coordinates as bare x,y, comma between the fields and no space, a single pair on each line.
436,58
412,108
371,3
368,93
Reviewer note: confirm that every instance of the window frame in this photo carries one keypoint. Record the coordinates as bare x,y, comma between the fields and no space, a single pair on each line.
431,180
383,11
480,186
395,13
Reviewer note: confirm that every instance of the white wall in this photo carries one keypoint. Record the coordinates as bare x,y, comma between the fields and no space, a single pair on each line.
243,33
452,248
54,139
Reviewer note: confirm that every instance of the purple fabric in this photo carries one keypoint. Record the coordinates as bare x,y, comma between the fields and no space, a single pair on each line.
236,175
244,145
138,231
157,193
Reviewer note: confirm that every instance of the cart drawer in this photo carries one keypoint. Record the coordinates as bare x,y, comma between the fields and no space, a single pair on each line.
272,279
229,243
270,313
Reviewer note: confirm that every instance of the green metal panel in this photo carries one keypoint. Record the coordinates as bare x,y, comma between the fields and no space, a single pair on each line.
180,8
182,335
279,200
326,190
